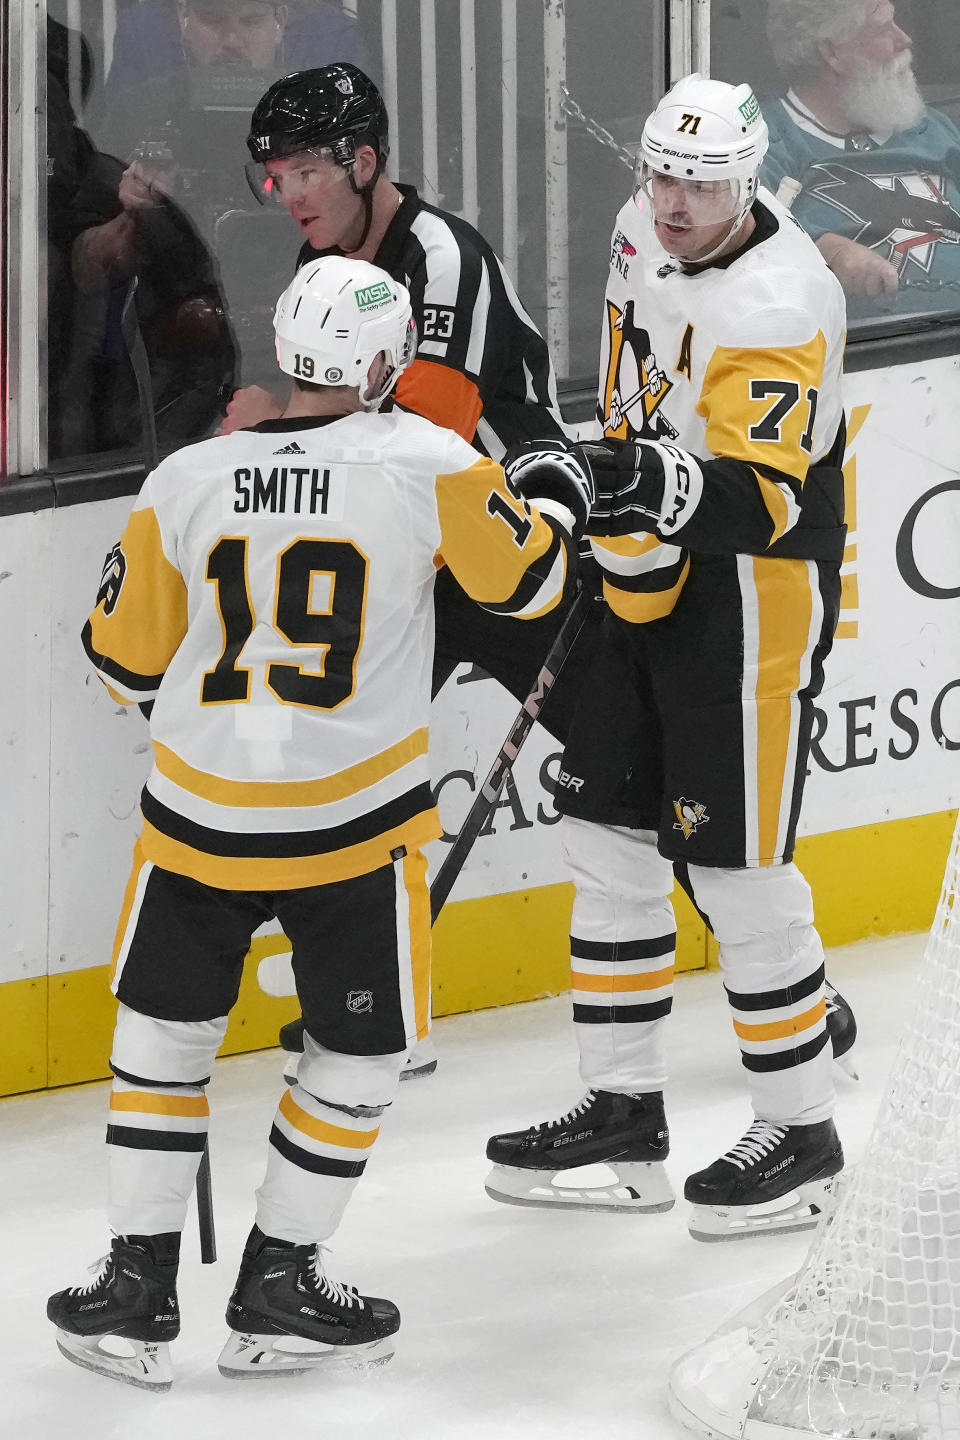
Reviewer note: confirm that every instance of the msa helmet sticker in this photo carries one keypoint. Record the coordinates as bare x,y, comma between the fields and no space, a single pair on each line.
372,295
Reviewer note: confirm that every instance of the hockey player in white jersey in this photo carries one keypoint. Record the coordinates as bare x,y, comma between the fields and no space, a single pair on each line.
720,402
272,595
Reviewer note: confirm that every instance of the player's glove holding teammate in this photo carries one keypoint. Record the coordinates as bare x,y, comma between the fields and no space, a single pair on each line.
610,487
641,485
554,476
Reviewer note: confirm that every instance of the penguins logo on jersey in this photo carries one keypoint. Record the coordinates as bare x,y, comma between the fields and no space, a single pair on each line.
690,816
111,580
904,214
635,385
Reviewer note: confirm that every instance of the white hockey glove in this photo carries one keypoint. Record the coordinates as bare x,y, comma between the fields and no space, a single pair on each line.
554,476
641,485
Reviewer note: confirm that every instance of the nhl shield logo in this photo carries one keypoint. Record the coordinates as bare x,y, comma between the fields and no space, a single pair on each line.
690,816
359,1002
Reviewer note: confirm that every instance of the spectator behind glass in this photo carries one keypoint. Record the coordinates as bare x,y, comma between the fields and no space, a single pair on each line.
185,76
880,171
80,193
105,226
188,72
161,37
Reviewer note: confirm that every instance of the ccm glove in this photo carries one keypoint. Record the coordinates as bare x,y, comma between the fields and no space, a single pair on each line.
641,485
554,476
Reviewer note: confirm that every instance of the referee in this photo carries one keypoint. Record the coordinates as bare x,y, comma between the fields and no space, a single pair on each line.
319,142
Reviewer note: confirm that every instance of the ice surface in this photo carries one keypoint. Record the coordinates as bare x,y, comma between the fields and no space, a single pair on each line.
517,1324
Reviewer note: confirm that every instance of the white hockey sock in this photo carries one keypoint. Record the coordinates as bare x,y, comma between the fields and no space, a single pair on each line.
158,1118
155,1138
772,961
622,944
322,1134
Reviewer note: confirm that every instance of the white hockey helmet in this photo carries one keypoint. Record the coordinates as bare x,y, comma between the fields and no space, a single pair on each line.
336,317
704,132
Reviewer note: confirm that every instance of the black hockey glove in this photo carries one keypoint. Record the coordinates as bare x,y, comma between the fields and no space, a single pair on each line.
641,485
552,474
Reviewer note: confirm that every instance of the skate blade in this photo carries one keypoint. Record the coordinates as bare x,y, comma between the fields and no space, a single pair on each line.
800,1209
417,1072
248,1356
639,1186
145,1364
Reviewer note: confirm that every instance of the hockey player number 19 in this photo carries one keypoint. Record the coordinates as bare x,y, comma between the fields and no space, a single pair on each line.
336,631
521,525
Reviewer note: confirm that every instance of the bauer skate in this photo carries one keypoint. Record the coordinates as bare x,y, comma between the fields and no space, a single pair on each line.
842,1029
776,1178
121,1322
626,1133
287,1317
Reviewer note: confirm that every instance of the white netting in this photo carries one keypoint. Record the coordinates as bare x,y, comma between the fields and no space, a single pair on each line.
866,1342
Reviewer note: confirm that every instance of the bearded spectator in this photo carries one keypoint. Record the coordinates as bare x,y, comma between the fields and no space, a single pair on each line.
878,171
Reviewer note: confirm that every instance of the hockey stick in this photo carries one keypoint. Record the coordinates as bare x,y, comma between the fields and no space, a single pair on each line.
489,792
205,1221
291,1034
133,339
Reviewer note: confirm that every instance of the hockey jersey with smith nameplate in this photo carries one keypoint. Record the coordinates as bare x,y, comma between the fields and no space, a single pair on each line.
731,372
273,595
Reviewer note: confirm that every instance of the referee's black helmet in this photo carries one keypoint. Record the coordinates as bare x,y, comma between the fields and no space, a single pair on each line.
336,106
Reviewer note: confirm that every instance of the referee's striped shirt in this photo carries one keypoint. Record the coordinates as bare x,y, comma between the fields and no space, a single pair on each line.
482,366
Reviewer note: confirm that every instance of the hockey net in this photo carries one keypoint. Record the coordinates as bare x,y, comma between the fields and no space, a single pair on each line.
865,1340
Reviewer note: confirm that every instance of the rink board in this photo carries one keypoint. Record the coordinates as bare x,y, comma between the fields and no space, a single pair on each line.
495,950
884,772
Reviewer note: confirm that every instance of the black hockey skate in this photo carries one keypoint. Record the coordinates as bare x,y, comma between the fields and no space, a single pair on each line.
627,1133
287,1316
132,1297
776,1178
842,1028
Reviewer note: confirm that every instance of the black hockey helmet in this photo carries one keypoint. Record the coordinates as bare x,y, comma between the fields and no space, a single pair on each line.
335,106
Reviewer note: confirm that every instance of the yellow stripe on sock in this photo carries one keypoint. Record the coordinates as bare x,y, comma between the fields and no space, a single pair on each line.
780,1029
149,1104
322,1130
649,980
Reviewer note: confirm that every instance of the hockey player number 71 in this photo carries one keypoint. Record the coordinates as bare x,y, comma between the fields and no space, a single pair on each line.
336,629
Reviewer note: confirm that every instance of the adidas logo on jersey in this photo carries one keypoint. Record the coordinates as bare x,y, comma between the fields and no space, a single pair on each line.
292,449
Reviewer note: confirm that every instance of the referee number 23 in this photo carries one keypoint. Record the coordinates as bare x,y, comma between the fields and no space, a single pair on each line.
438,322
